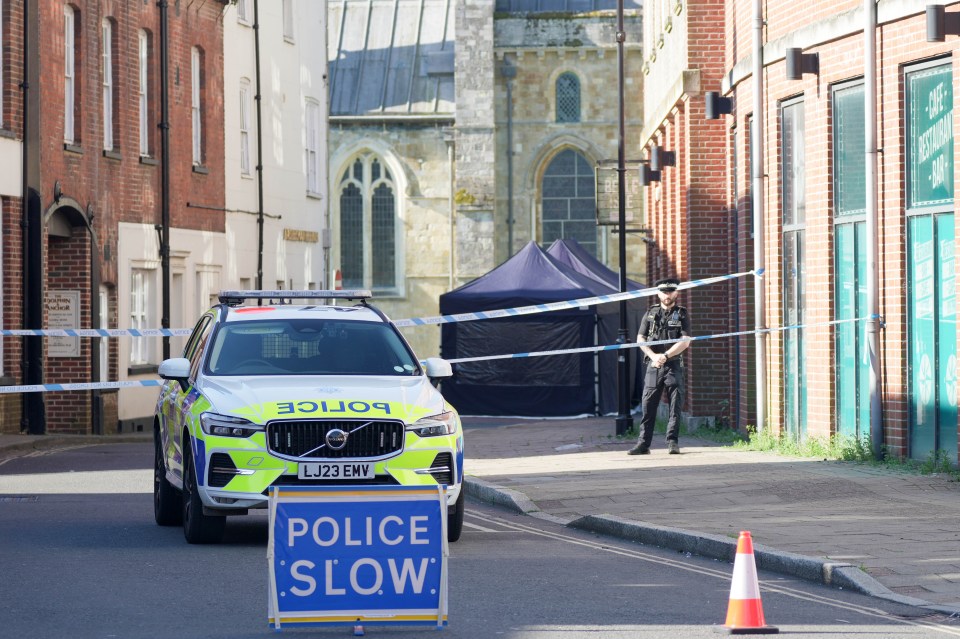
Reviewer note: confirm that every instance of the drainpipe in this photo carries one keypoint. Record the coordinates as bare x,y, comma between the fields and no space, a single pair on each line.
509,72
873,291
33,412
165,171
756,161
449,138
256,47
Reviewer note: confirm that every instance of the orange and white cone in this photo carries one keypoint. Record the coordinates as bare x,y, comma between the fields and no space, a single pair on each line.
745,612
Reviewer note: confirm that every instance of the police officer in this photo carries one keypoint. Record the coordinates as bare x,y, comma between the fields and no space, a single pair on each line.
663,321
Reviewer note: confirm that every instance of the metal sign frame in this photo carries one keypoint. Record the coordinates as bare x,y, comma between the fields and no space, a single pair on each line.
357,555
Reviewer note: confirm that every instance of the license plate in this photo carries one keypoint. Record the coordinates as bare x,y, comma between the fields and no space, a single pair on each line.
336,470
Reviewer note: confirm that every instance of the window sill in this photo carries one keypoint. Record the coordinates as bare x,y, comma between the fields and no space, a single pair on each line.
388,294
246,176
73,148
7,133
142,369
202,170
112,155
313,195
149,161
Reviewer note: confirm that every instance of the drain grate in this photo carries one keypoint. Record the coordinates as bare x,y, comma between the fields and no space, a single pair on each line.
5,498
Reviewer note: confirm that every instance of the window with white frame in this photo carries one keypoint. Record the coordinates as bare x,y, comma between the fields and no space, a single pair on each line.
196,60
104,343
106,73
368,223
312,146
69,70
243,11
288,20
245,103
141,296
208,287
143,43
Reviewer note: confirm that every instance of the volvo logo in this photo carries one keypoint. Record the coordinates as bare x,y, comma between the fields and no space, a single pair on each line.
336,439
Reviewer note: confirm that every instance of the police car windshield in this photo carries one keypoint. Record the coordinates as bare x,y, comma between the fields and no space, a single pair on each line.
309,347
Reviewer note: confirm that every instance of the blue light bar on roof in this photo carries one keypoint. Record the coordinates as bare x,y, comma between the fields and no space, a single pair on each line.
236,297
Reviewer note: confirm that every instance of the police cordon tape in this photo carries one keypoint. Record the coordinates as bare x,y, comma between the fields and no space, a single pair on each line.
416,321
559,306
43,388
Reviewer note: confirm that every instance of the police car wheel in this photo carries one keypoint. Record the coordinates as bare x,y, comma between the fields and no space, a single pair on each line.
166,498
198,528
455,519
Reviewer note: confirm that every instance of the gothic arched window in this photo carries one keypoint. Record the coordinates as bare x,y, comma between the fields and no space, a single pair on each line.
568,98
567,201
368,212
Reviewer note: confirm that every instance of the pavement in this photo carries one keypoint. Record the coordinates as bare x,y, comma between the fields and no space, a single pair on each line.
877,530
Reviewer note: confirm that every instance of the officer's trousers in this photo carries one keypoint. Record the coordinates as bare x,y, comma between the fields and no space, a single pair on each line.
669,378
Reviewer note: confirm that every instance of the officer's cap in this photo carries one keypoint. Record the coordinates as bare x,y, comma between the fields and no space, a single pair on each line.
667,284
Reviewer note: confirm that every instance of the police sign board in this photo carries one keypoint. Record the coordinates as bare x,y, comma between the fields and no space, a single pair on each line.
357,555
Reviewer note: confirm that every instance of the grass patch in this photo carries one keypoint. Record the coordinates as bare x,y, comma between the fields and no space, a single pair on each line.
845,448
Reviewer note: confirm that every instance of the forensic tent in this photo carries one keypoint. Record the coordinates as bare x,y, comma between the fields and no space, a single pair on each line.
546,386
572,254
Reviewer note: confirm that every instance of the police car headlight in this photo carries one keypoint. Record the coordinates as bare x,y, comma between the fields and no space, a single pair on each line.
226,426
435,425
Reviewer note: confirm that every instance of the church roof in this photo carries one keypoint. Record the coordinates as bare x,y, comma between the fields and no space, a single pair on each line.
391,58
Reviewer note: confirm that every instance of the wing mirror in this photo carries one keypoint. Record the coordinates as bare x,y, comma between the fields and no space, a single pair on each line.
177,369
437,368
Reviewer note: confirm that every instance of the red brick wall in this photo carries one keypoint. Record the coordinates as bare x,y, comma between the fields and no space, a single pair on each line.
691,221
899,43
121,187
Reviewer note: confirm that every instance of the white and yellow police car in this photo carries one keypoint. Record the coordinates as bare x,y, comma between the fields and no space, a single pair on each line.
276,394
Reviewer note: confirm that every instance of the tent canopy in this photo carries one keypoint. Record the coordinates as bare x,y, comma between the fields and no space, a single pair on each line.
545,386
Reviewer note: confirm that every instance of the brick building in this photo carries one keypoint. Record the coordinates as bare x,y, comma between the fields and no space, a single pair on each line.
693,235
95,194
817,212
11,201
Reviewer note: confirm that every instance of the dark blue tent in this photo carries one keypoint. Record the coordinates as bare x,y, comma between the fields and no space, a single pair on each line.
571,253
546,386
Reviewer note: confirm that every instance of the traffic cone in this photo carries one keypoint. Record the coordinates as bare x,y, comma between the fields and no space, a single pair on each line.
745,612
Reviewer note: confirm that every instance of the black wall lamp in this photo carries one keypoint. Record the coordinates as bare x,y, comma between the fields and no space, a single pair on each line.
715,106
799,63
660,158
940,24
648,175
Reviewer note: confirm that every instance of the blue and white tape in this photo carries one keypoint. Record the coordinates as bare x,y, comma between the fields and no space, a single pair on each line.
615,347
42,388
560,306
97,332
416,321
80,386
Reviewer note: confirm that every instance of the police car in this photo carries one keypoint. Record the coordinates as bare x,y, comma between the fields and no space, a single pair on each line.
323,393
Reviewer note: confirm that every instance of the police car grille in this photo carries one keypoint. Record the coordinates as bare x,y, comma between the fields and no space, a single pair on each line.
365,439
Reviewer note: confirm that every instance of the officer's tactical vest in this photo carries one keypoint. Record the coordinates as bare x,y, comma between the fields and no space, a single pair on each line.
664,325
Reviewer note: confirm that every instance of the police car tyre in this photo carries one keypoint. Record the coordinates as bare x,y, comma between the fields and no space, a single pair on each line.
455,519
166,499
198,528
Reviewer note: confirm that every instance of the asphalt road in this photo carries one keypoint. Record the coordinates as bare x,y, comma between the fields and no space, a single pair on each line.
81,557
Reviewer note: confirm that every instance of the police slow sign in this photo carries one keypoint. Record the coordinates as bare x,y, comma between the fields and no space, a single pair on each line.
353,555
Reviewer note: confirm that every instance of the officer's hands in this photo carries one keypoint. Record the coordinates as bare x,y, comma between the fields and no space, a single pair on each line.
659,360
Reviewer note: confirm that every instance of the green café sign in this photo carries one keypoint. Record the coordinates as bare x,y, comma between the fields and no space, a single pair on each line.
930,153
